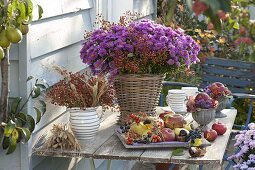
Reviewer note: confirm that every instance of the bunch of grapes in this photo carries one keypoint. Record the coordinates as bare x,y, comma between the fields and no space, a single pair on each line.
194,134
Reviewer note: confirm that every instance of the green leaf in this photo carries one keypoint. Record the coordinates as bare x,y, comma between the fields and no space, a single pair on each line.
15,104
42,86
26,133
30,78
36,92
38,115
9,128
236,25
22,117
43,108
12,146
30,123
15,134
178,152
5,143
40,11
131,55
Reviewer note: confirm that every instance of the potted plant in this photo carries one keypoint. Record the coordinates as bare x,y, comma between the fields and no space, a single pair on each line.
245,141
202,108
219,92
138,54
82,94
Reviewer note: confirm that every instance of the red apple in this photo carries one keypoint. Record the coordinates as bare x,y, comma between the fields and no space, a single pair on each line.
174,121
220,128
210,135
167,134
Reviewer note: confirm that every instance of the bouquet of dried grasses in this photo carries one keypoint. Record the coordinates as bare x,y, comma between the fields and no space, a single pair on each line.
81,90
62,138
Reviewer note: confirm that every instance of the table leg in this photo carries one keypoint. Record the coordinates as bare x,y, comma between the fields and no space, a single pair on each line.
200,167
92,164
109,164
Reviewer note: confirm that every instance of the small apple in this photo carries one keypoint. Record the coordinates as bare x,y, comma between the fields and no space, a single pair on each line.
167,134
220,128
162,115
174,121
210,135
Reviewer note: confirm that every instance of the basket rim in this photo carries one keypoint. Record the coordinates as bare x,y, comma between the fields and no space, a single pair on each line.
140,75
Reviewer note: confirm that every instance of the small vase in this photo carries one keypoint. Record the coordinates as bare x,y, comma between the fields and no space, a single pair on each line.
222,105
84,123
204,117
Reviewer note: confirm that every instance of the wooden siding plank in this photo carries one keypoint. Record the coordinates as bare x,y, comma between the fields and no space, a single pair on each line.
55,34
14,52
60,7
68,58
229,63
228,81
208,69
214,152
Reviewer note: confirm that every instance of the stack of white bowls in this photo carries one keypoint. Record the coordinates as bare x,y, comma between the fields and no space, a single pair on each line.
176,100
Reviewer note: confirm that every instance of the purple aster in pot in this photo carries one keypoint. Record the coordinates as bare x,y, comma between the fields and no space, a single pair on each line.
138,47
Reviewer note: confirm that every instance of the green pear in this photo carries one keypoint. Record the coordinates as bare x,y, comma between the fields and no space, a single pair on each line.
14,35
24,29
4,42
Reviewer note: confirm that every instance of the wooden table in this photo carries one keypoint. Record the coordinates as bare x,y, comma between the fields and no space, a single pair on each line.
106,145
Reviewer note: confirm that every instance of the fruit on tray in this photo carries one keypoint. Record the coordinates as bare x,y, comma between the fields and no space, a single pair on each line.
195,138
167,134
188,126
162,115
181,132
140,128
210,135
174,121
197,151
220,128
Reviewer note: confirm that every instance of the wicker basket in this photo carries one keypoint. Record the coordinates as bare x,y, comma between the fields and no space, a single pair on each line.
137,93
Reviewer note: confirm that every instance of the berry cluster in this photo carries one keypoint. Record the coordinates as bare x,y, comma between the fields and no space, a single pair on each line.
135,118
194,134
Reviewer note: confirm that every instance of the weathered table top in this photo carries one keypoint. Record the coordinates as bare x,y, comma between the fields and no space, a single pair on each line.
106,145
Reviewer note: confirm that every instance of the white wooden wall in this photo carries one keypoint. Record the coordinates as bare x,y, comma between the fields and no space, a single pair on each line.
56,40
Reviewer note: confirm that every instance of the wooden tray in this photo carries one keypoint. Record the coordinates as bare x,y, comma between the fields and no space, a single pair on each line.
172,144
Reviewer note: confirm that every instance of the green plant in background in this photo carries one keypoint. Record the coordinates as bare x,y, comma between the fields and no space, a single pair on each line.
16,126
242,106
233,37
20,125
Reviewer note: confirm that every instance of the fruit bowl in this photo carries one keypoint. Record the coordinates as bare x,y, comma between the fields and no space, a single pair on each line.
204,117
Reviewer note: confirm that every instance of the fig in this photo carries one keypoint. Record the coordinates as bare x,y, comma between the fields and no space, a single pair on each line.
4,42
14,35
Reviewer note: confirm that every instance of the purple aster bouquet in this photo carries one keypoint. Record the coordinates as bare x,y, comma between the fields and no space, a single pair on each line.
245,141
138,47
201,101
